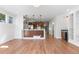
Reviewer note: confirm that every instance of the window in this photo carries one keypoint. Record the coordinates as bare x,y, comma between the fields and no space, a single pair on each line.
2,17
10,20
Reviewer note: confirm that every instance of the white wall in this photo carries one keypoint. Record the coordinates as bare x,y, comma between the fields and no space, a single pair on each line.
77,26
6,29
6,32
59,24
19,26
75,40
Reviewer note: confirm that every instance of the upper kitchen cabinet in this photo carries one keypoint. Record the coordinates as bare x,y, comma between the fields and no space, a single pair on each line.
35,25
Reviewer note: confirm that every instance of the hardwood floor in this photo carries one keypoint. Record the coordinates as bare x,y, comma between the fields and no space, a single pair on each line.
48,46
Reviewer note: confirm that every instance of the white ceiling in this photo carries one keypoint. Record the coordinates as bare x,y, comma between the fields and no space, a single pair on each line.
47,11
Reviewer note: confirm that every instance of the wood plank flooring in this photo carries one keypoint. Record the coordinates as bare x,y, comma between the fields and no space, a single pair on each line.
47,46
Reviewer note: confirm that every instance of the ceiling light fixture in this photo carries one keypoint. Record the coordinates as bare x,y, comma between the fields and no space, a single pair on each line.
36,5
68,10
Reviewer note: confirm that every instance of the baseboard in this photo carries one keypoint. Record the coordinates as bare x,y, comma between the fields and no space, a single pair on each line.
2,42
57,37
76,43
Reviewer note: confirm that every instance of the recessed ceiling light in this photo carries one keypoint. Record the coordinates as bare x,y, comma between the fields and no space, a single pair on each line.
68,10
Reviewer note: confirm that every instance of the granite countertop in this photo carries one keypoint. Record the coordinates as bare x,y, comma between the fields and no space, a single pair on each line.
65,30
33,29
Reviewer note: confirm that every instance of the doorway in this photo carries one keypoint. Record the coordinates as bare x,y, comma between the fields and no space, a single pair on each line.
53,29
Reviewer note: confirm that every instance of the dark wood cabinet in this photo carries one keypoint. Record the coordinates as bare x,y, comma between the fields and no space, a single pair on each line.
34,33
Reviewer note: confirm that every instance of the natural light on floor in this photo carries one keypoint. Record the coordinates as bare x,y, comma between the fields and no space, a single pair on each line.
4,46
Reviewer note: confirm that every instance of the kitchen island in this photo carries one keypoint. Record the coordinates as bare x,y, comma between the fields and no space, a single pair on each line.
34,34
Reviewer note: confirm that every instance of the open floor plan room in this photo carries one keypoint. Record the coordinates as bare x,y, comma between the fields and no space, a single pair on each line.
42,29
